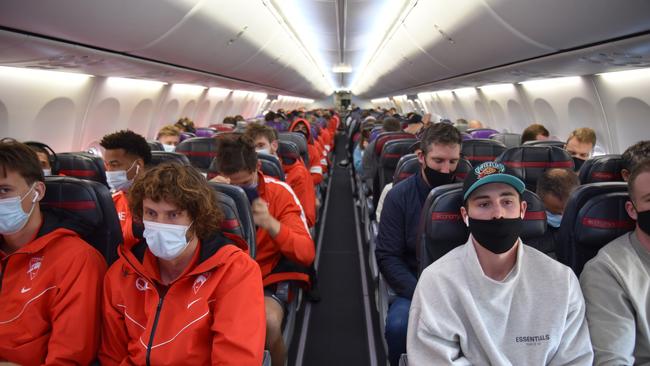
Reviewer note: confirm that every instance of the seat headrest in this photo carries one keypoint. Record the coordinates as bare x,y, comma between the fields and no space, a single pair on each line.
604,168
243,210
288,151
222,127
374,133
555,143
187,135
159,157
205,132
155,145
481,133
508,139
465,136
83,166
231,223
199,150
478,151
406,167
384,137
271,166
534,225
299,139
462,169
393,150
528,163
602,219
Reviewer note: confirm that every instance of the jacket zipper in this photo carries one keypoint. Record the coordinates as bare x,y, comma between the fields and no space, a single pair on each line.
155,325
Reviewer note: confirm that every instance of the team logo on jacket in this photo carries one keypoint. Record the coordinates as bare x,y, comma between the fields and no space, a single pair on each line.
142,284
34,266
200,280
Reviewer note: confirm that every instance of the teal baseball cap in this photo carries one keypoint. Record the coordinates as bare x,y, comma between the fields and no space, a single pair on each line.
490,172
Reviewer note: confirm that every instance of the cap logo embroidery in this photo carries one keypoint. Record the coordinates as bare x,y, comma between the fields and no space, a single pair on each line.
34,266
488,168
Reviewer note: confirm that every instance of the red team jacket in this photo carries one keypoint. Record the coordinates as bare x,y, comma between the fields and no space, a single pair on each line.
298,177
126,220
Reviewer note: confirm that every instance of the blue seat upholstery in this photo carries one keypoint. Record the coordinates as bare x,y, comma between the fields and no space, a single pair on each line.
155,145
300,141
406,167
158,157
528,163
92,203
604,168
199,150
238,215
390,155
271,166
478,151
555,143
594,215
508,139
462,169
82,165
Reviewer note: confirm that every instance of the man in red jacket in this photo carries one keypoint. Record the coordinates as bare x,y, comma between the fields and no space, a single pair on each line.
50,279
283,239
315,163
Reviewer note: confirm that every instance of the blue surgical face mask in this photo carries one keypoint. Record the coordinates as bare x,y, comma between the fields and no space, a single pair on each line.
118,181
12,216
165,241
553,220
169,148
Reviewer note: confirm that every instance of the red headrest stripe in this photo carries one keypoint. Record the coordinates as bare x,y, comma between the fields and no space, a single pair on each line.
599,223
606,175
538,164
480,157
72,205
78,172
230,224
199,153
445,216
535,215
392,156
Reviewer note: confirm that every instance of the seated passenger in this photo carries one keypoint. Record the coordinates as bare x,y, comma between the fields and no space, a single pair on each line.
44,156
125,157
534,132
580,145
297,176
473,124
230,121
368,162
414,124
397,237
185,125
186,294
169,136
632,156
360,148
50,278
616,284
282,238
461,124
315,154
554,187
494,300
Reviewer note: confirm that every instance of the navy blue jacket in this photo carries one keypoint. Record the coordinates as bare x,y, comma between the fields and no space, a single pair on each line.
397,238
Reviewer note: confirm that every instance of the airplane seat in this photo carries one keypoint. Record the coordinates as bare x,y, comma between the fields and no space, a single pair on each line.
199,150
390,155
462,169
288,152
205,132
300,141
187,135
406,167
222,127
479,150
534,225
481,133
555,143
155,145
159,157
235,199
594,215
271,166
508,139
604,168
374,133
92,203
529,162
82,165
465,136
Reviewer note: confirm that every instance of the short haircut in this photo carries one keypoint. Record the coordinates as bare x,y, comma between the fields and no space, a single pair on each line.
392,124
254,130
168,130
584,135
270,116
184,187
634,154
531,132
20,158
235,153
130,142
185,125
642,167
229,121
38,148
557,182
440,133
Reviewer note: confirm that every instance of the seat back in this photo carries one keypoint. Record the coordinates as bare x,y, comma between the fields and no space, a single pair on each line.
406,167
155,145
384,137
481,133
390,155
300,141
462,169
288,152
465,136
159,157
199,150
534,225
528,163
478,151
555,143
222,127
187,135
594,215
92,203
271,166
508,139
205,132
604,168
82,165
234,200
374,133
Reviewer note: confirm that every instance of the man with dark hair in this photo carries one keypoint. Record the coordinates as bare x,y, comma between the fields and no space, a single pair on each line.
368,162
616,284
43,157
494,300
414,124
126,155
283,239
397,241
632,156
50,278
534,132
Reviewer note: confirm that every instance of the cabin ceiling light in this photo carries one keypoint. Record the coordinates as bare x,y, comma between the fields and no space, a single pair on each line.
495,88
188,88
134,83
464,91
551,83
625,75
342,69
39,74
218,92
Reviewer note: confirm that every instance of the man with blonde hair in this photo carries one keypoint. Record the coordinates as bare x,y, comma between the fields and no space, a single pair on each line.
580,145
169,136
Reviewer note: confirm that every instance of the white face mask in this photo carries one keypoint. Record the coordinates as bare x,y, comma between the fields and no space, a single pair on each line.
47,172
265,151
165,241
118,181
169,148
12,216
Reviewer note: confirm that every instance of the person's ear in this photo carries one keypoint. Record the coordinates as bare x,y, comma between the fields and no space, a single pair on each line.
259,164
39,189
631,210
464,215
524,207
274,146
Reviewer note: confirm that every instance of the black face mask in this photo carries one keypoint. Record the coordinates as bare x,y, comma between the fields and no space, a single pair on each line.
496,235
251,192
578,163
435,178
643,220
